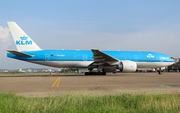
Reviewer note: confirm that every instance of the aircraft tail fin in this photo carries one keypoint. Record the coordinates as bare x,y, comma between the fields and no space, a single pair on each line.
22,41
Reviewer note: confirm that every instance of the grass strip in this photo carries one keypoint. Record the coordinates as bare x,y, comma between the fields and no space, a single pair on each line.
125,103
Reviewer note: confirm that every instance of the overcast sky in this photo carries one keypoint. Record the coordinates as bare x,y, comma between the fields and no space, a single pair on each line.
127,25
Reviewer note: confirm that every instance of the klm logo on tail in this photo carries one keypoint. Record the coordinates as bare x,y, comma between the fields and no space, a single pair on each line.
23,41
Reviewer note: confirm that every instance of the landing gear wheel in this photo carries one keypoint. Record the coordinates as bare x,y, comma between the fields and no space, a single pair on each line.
99,73
86,73
160,72
95,73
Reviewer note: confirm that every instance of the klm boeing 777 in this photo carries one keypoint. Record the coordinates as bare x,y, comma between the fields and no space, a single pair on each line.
103,61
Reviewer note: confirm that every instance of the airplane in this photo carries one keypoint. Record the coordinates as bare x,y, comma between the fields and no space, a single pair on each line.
102,61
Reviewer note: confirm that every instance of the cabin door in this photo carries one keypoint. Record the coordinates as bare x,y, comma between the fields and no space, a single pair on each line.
85,57
47,57
135,58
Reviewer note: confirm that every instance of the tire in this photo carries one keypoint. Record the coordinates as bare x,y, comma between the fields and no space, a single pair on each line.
103,73
99,73
160,72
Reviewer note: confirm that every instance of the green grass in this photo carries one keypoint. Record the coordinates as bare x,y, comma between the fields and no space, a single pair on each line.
129,103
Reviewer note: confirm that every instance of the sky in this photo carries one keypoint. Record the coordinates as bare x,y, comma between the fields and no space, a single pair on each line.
125,25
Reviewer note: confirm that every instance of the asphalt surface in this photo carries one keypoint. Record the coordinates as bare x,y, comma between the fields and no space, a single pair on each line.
33,85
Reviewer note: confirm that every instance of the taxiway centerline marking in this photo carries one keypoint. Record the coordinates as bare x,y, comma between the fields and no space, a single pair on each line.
57,81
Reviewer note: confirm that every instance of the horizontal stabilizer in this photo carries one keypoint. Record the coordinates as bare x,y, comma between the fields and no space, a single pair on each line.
19,53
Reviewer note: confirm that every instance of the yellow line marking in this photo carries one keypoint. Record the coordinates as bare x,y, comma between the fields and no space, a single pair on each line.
57,81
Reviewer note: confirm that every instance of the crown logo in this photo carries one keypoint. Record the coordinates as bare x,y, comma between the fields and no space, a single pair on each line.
24,38
150,56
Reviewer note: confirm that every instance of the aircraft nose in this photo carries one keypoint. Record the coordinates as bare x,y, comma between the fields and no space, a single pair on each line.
172,60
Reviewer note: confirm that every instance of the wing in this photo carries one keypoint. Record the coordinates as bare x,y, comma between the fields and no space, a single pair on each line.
101,58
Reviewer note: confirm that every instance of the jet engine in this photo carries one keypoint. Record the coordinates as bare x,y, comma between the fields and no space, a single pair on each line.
127,66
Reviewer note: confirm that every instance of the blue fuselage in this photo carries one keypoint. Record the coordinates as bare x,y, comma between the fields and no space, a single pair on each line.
86,55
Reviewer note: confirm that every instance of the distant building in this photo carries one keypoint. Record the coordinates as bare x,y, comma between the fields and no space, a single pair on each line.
49,70
20,70
29,70
5,71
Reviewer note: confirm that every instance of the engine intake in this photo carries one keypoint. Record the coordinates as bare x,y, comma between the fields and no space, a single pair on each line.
127,66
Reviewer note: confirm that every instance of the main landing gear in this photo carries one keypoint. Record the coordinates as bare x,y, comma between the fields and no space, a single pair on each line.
100,71
160,71
95,73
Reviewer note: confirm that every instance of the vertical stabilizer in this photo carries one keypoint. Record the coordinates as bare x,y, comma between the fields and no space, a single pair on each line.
22,41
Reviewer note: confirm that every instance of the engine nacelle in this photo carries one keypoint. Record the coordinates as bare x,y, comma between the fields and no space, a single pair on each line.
127,66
